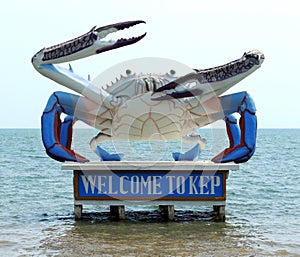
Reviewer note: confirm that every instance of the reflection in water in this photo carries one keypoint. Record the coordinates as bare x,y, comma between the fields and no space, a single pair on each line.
190,235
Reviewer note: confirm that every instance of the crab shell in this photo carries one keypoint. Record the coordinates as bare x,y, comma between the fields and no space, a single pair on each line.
140,118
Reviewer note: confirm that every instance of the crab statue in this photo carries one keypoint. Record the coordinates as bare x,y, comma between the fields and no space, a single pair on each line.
138,106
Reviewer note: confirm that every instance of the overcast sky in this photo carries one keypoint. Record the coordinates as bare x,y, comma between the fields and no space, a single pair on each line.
200,34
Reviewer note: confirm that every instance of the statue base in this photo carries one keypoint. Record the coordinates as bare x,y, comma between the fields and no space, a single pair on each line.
165,184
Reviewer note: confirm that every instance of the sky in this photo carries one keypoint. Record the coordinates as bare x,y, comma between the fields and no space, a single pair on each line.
197,33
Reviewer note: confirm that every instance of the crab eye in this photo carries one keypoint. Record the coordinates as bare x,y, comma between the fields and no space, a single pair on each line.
172,72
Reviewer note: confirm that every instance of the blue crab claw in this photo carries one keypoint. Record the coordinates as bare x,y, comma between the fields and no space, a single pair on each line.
93,42
96,41
179,88
106,156
211,82
190,155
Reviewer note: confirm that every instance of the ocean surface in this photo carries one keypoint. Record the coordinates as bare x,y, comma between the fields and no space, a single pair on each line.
37,219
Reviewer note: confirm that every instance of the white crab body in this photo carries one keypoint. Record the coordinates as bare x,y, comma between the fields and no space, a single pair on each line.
140,118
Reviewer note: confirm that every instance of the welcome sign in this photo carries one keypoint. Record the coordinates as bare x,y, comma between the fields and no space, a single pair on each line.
150,185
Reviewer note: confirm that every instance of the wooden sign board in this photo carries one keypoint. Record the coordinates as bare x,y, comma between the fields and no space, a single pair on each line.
150,185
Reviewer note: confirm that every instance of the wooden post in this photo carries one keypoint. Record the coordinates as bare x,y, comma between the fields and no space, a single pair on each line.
78,211
118,211
168,211
220,212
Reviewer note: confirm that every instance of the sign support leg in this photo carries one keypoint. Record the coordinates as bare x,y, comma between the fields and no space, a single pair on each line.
220,212
117,211
78,211
168,211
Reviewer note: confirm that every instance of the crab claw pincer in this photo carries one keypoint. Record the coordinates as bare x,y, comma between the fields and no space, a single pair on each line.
179,88
122,41
93,42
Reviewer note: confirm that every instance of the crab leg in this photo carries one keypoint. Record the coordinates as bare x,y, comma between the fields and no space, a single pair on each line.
57,135
106,156
242,143
190,155
233,130
66,131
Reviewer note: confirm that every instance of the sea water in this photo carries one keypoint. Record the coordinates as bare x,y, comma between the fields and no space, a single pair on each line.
37,219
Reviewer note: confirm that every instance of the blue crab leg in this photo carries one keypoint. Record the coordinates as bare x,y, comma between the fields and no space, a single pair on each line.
106,156
101,152
240,150
190,155
233,131
56,135
67,131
